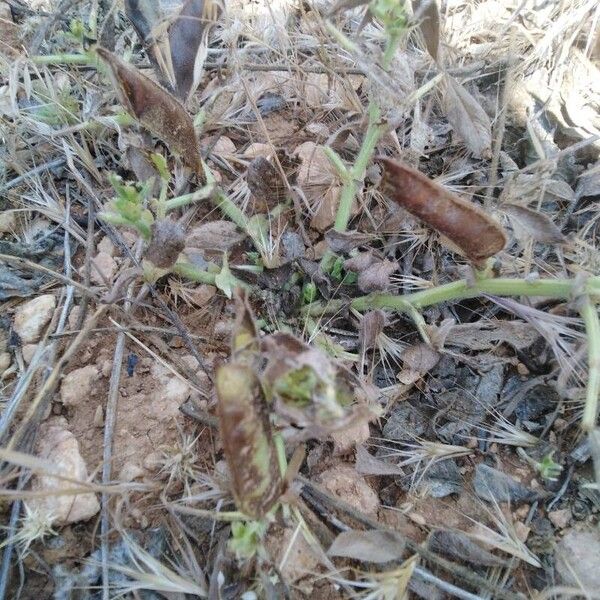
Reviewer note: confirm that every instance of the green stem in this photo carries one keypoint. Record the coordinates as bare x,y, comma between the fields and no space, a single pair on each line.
187,199
459,290
358,170
66,59
229,209
193,273
589,313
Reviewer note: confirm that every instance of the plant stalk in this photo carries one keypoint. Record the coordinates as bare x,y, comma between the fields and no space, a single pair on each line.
459,290
589,313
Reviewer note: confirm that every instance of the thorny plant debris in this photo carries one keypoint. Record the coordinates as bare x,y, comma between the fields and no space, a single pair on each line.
354,243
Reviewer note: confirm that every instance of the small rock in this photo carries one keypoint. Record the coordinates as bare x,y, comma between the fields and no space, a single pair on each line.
256,150
522,531
345,439
560,518
99,417
32,317
28,350
8,221
153,461
104,268
59,448
344,482
577,559
77,386
5,361
295,557
130,472
107,247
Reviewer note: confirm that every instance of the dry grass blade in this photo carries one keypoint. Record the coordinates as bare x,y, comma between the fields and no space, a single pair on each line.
428,13
467,118
154,108
462,222
188,41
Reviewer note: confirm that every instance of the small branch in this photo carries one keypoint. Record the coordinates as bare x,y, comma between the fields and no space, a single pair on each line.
459,290
589,313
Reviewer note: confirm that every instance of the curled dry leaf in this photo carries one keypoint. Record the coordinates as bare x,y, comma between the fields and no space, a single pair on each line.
154,108
417,360
188,38
428,14
467,118
535,225
375,546
462,222
166,243
345,241
373,273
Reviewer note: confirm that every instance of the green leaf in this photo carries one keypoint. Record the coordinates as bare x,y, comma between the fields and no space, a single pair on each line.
246,538
225,280
160,162
309,292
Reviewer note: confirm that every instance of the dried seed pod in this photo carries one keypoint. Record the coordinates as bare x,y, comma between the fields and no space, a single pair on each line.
155,108
247,440
166,243
462,222
188,38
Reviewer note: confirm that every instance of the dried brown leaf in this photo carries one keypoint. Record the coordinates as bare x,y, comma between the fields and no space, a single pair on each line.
371,325
535,225
154,108
467,118
420,358
457,545
188,38
428,14
374,546
345,241
214,235
462,222
376,277
265,182
166,243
